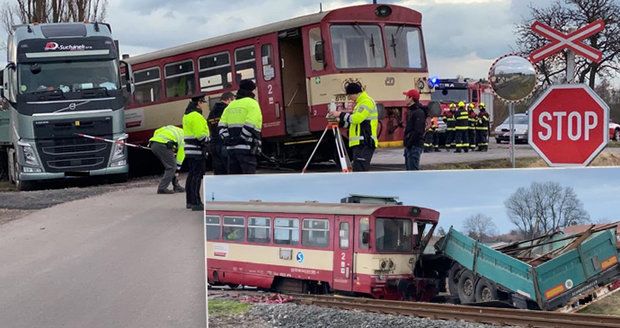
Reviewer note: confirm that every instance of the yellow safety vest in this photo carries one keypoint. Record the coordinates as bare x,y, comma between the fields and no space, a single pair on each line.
364,116
171,133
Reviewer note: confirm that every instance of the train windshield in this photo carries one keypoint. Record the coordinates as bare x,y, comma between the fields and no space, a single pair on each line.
357,46
65,77
393,235
404,46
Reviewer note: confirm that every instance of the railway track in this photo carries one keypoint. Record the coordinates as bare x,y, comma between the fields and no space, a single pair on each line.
489,315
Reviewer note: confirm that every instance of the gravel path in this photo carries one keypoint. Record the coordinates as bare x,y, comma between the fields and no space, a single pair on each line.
310,316
39,199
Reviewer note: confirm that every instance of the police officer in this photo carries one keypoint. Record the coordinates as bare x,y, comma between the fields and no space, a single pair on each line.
167,141
482,128
219,158
240,129
196,139
362,123
473,118
462,128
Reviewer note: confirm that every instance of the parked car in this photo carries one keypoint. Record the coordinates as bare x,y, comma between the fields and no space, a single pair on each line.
521,124
614,131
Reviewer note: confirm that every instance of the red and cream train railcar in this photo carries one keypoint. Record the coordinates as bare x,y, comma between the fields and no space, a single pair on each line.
299,65
360,249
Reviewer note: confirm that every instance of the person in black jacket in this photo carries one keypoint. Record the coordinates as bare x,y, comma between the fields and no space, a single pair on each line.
219,158
414,130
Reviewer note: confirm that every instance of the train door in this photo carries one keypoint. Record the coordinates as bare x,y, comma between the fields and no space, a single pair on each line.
295,94
343,253
268,86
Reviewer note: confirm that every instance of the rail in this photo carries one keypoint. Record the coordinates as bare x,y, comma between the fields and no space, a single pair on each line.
489,315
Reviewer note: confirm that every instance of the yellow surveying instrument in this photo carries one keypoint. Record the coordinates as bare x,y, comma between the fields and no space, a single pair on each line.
343,157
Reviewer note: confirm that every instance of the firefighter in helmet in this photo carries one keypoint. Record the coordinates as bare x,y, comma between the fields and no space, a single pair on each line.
449,118
482,128
472,119
462,128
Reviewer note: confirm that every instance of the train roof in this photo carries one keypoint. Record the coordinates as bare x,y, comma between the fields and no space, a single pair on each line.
312,208
231,37
343,13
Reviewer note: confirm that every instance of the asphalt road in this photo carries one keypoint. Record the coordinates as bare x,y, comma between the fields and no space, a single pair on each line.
128,258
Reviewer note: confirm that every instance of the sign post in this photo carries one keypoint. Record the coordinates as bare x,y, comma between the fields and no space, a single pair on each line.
568,125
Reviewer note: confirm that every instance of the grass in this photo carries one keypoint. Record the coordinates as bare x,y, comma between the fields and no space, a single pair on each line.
608,306
227,307
613,144
603,159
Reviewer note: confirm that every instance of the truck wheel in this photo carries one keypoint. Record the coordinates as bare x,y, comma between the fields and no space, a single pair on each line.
486,291
617,135
467,287
453,279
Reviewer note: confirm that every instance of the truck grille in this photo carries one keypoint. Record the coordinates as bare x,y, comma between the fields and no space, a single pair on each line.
61,150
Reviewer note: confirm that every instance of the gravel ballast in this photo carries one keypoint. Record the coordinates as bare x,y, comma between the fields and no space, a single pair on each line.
311,316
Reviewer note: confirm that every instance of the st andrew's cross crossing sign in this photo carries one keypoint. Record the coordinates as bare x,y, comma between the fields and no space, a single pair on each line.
571,41
569,125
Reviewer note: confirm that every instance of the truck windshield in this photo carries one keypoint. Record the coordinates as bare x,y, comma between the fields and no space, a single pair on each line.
66,77
454,95
357,46
404,46
393,235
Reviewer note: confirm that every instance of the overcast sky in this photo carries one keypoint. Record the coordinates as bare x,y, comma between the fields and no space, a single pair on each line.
455,194
462,36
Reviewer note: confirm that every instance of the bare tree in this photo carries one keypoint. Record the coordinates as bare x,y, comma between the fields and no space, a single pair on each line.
544,207
51,11
480,227
568,15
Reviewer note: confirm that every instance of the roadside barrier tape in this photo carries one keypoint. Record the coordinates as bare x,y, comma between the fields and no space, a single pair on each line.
120,142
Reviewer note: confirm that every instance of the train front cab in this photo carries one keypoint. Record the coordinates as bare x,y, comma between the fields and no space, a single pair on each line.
370,254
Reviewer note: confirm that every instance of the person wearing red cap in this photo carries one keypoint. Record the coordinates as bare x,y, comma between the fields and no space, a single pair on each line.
414,130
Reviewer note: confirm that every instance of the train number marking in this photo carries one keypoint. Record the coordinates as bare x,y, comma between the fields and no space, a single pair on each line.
269,89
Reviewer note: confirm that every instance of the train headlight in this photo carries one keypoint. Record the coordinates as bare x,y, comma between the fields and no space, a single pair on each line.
421,84
383,11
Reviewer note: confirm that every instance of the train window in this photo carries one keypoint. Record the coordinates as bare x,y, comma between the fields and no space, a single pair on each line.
404,46
215,72
364,233
286,231
212,227
259,230
357,46
343,234
315,232
393,235
233,228
180,79
245,63
314,37
148,87
269,71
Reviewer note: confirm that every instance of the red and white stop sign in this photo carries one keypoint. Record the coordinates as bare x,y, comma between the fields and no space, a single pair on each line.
568,125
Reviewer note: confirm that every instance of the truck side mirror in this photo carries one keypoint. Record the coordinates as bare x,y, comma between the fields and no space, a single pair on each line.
129,85
1,83
318,51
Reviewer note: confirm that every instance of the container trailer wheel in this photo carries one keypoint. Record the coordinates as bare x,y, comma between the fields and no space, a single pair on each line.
486,291
453,279
467,287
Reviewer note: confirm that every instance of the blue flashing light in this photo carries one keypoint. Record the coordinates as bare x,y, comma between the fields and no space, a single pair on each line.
433,81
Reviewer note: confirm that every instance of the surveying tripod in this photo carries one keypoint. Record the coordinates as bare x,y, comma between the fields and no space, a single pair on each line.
343,157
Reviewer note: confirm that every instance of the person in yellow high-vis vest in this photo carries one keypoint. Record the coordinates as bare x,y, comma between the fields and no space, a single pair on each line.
197,136
168,146
240,128
362,123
